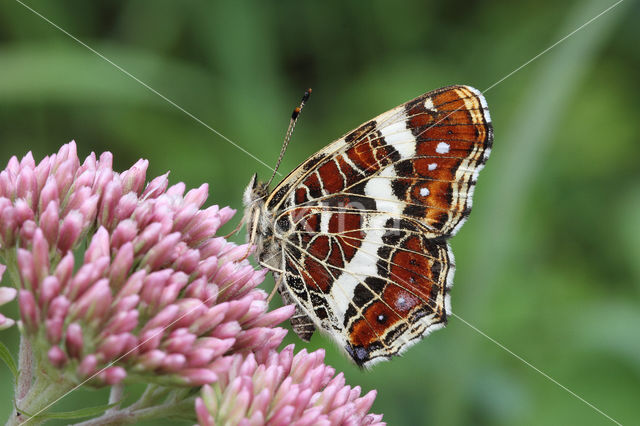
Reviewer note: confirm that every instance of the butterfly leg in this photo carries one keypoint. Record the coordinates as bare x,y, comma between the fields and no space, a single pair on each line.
301,324
235,230
252,238
275,287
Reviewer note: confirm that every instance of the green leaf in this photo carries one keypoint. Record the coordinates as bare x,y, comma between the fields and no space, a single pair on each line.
5,355
76,414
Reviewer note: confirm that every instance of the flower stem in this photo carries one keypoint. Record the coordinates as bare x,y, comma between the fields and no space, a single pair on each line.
182,409
42,393
25,368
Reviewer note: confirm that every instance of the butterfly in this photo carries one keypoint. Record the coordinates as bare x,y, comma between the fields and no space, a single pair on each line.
356,236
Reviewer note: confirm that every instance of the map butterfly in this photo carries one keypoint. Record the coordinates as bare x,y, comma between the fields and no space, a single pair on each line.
356,236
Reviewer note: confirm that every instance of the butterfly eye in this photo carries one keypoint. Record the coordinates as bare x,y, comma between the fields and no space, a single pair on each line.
283,224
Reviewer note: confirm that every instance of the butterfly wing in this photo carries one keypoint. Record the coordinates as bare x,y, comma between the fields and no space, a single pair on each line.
364,222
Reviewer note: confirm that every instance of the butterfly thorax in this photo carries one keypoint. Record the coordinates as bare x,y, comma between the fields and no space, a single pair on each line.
260,224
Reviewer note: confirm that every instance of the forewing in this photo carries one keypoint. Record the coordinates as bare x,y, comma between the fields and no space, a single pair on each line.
419,160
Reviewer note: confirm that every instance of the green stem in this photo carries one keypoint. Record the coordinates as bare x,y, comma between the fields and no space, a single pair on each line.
181,409
25,368
41,394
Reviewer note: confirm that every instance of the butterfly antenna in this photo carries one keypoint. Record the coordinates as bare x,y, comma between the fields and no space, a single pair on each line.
287,136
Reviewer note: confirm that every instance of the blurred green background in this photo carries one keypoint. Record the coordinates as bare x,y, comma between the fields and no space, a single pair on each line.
549,262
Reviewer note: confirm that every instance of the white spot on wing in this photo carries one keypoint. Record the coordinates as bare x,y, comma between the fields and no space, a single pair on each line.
324,222
442,148
432,166
428,104
379,188
401,138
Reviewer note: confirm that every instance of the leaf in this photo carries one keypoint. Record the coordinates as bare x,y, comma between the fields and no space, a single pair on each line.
5,355
76,414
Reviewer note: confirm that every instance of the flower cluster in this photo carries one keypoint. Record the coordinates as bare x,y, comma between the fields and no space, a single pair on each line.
121,281
156,291
283,389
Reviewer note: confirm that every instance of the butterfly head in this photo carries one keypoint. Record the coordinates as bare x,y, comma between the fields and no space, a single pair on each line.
254,203
255,193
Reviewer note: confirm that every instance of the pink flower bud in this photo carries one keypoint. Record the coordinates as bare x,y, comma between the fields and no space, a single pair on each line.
225,214
22,211
125,232
227,330
27,230
88,366
113,346
156,187
163,252
64,270
8,226
133,285
27,270
28,310
126,207
95,303
121,265
176,190
49,288
122,322
210,321
89,208
59,307
76,198
86,177
99,246
70,230
126,303
74,341
204,418
5,322
163,318
64,177
49,222
113,375
133,179
174,362
48,194
110,199
151,360
150,339
198,376
42,171
57,357
26,186
188,261
7,294
40,255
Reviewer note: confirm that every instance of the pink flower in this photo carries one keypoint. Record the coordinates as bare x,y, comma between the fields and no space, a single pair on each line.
123,282
282,389
7,294
156,293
